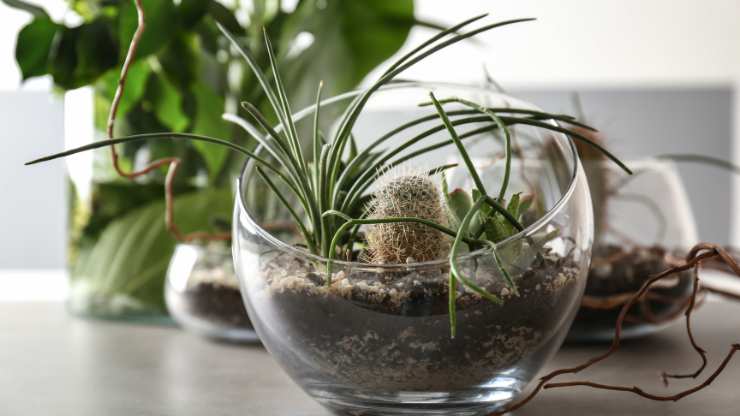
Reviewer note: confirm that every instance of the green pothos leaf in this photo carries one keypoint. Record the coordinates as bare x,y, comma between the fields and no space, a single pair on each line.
72,62
349,39
132,254
167,102
36,11
161,23
136,83
33,47
208,122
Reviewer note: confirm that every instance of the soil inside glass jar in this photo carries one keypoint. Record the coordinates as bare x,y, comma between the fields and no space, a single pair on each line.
618,272
217,303
391,329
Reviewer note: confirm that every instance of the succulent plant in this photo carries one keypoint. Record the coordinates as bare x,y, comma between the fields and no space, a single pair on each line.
407,195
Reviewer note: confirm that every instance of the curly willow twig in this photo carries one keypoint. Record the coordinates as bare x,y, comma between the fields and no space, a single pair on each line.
700,253
171,162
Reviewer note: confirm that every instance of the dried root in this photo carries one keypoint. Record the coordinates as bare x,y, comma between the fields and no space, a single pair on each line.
698,255
171,163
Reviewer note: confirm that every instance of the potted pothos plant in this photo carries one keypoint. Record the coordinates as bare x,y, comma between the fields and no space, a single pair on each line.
183,76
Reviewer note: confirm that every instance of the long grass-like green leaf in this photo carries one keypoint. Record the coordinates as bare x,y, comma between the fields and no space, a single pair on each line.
296,165
389,154
513,110
452,304
278,152
257,71
455,272
282,96
458,143
348,121
294,168
503,127
433,39
702,159
502,270
299,222
573,134
172,136
316,142
139,137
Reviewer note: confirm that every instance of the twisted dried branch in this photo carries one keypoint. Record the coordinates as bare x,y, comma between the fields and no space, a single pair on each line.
172,163
697,255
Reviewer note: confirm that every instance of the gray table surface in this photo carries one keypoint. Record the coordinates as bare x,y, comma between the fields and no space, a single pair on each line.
53,364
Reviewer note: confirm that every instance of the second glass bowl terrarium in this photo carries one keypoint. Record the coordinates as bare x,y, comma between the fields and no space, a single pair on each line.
375,339
202,293
644,225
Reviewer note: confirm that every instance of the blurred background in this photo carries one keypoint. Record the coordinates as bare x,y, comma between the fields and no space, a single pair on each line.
655,77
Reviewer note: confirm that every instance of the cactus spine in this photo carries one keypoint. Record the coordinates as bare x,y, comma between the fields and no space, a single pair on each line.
407,195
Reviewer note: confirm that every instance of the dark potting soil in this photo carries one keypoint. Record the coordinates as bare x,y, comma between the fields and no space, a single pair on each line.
216,303
616,270
391,329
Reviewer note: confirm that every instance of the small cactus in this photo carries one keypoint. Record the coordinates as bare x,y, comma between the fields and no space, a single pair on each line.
407,195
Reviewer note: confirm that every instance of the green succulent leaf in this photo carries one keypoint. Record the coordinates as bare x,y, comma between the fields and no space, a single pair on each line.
459,203
33,47
513,206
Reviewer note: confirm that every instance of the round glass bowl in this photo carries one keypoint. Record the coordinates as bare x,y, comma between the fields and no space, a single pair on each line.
644,226
376,340
202,293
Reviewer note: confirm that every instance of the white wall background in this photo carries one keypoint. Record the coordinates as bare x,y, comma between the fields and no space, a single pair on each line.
575,44
596,42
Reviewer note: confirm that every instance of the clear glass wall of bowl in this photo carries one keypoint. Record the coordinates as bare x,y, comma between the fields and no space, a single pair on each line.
377,337
644,225
202,293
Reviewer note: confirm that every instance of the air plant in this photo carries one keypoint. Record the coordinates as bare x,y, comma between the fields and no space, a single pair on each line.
331,185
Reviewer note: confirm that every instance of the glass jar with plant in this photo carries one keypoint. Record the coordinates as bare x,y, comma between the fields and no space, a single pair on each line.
202,293
183,76
391,291
644,225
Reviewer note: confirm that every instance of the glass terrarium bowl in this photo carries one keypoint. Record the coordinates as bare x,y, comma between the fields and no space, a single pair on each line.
644,225
202,293
377,339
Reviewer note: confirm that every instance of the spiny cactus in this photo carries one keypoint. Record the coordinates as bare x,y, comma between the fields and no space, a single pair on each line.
407,195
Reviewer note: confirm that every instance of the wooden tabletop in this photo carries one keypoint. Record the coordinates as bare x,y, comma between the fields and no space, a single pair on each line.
51,363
